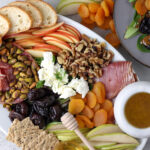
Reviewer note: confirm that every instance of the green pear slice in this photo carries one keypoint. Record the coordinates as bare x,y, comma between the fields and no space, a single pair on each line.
54,126
98,145
103,129
114,137
120,146
64,3
66,138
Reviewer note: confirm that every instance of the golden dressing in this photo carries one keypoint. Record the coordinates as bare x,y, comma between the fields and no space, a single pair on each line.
137,110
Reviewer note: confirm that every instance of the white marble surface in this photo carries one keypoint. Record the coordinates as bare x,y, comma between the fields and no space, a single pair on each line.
142,71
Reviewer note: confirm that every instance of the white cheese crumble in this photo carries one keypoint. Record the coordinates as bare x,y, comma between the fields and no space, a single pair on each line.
57,78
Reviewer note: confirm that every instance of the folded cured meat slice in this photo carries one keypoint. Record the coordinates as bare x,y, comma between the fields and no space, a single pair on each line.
116,76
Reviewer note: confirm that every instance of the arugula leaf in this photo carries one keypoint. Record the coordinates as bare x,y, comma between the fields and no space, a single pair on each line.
62,101
39,60
132,29
54,59
40,84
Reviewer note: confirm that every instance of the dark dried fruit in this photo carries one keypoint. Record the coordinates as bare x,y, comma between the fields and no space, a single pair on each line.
15,115
38,120
22,108
55,113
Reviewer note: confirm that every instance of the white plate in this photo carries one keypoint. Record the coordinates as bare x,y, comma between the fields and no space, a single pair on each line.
5,122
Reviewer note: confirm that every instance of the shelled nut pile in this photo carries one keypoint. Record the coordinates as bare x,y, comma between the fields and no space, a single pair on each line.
86,59
23,73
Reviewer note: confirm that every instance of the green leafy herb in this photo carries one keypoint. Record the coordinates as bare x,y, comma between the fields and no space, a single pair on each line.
62,101
132,29
54,59
90,86
39,60
40,84
58,76
140,46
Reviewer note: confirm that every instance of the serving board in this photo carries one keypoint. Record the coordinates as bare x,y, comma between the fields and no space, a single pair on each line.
5,122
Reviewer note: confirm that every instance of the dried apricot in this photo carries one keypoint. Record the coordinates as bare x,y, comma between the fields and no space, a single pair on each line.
87,20
100,117
93,7
99,90
106,25
86,120
105,8
78,96
92,17
110,4
112,25
83,11
76,106
107,105
87,111
140,7
90,26
113,39
100,16
97,107
81,124
91,99
147,4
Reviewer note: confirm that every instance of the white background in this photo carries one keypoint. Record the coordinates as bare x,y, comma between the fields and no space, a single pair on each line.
142,71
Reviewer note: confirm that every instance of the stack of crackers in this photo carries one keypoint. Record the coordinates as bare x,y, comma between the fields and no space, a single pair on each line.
29,137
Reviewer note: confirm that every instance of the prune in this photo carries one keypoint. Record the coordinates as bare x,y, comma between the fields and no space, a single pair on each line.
144,26
36,94
65,106
55,113
22,108
15,115
47,101
38,120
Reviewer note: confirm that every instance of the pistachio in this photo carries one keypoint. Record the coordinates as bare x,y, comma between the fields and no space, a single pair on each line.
9,100
34,66
3,51
12,50
22,74
36,78
11,90
17,76
16,94
33,71
21,58
3,98
33,85
12,61
10,57
23,96
7,95
29,72
7,53
15,55
19,85
4,59
19,65
27,62
24,90
21,79
29,80
16,72
7,106
19,51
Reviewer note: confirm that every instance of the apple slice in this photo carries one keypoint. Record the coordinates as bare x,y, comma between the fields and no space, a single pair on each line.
120,146
103,129
54,41
114,137
73,37
36,53
48,46
61,37
73,30
44,31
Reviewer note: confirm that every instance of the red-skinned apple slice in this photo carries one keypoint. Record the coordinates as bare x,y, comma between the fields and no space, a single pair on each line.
44,31
73,37
36,52
61,37
73,30
54,41
47,46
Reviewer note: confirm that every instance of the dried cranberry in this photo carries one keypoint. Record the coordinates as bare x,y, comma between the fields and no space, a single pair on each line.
38,120
15,115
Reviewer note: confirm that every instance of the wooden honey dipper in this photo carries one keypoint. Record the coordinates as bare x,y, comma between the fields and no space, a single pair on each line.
70,123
